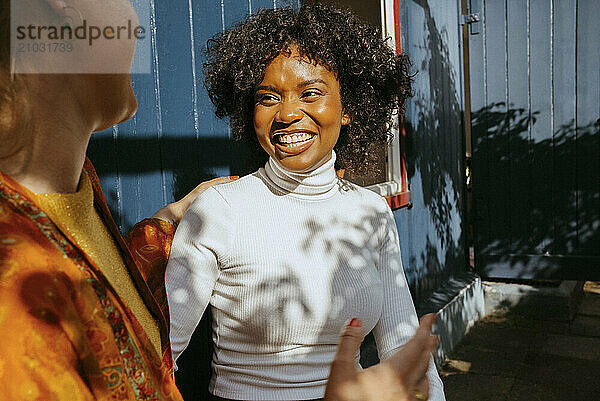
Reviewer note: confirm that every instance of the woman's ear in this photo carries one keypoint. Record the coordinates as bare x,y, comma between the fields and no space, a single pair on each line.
58,6
346,119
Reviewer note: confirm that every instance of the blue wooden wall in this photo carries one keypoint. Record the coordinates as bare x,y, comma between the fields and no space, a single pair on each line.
433,232
535,86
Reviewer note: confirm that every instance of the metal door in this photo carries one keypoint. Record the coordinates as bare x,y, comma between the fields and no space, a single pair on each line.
535,105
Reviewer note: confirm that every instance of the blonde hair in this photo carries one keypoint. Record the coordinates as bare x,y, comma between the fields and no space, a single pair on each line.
14,113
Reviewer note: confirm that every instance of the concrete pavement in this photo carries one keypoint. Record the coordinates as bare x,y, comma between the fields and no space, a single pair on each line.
526,354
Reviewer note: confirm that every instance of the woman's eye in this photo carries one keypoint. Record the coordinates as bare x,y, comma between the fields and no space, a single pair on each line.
266,99
311,94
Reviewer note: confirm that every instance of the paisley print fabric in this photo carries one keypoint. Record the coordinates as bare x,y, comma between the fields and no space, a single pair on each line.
66,335
150,244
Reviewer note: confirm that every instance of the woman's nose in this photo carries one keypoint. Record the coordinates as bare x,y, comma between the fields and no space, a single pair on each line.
288,112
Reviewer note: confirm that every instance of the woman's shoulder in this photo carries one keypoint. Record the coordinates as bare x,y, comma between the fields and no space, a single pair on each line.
230,194
363,195
248,184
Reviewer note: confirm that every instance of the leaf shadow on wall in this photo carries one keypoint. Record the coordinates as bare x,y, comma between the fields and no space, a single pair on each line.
434,154
535,197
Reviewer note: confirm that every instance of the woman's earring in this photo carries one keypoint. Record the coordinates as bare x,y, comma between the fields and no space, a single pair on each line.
63,10
76,11
67,23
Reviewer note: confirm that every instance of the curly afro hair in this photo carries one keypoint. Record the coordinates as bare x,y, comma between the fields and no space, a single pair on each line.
374,80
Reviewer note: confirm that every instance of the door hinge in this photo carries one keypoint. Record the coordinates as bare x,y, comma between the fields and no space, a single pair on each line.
469,19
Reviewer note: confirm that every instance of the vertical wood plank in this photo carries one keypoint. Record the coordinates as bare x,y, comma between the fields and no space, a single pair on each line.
455,241
235,11
541,131
212,133
102,151
259,4
517,118
140,183
480,173
176,89
207,22
498,141
564,136
588,128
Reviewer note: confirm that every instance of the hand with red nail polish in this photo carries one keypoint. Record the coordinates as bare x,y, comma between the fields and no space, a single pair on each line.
401,377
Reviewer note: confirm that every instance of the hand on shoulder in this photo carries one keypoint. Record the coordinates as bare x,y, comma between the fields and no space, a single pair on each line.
173,212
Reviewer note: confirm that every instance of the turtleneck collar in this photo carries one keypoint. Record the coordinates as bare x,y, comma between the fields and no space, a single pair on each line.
319,183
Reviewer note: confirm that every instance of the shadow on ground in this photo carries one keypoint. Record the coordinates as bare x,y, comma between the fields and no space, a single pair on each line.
515,355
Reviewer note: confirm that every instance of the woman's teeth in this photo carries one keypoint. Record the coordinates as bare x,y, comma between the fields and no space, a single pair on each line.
294,140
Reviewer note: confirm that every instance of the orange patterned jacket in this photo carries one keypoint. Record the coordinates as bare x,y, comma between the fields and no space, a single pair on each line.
65,334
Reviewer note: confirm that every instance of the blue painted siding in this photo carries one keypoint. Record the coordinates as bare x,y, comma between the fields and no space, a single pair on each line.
536,137
432,233
172,142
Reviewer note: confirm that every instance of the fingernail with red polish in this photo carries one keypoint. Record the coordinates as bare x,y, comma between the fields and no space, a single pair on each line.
354,322
234,177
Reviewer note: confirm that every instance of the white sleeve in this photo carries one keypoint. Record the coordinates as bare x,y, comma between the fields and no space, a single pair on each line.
398,322
200,245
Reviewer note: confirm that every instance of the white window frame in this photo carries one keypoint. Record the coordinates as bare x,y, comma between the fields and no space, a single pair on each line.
393,184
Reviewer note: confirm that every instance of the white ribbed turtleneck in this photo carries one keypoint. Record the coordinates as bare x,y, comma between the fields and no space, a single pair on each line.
284,259
319,183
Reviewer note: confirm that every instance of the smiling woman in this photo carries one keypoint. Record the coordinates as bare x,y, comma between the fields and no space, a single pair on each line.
287,254
374,81
298,112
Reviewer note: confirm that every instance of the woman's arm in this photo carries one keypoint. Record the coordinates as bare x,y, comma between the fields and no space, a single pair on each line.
201,242
399,321
150,240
